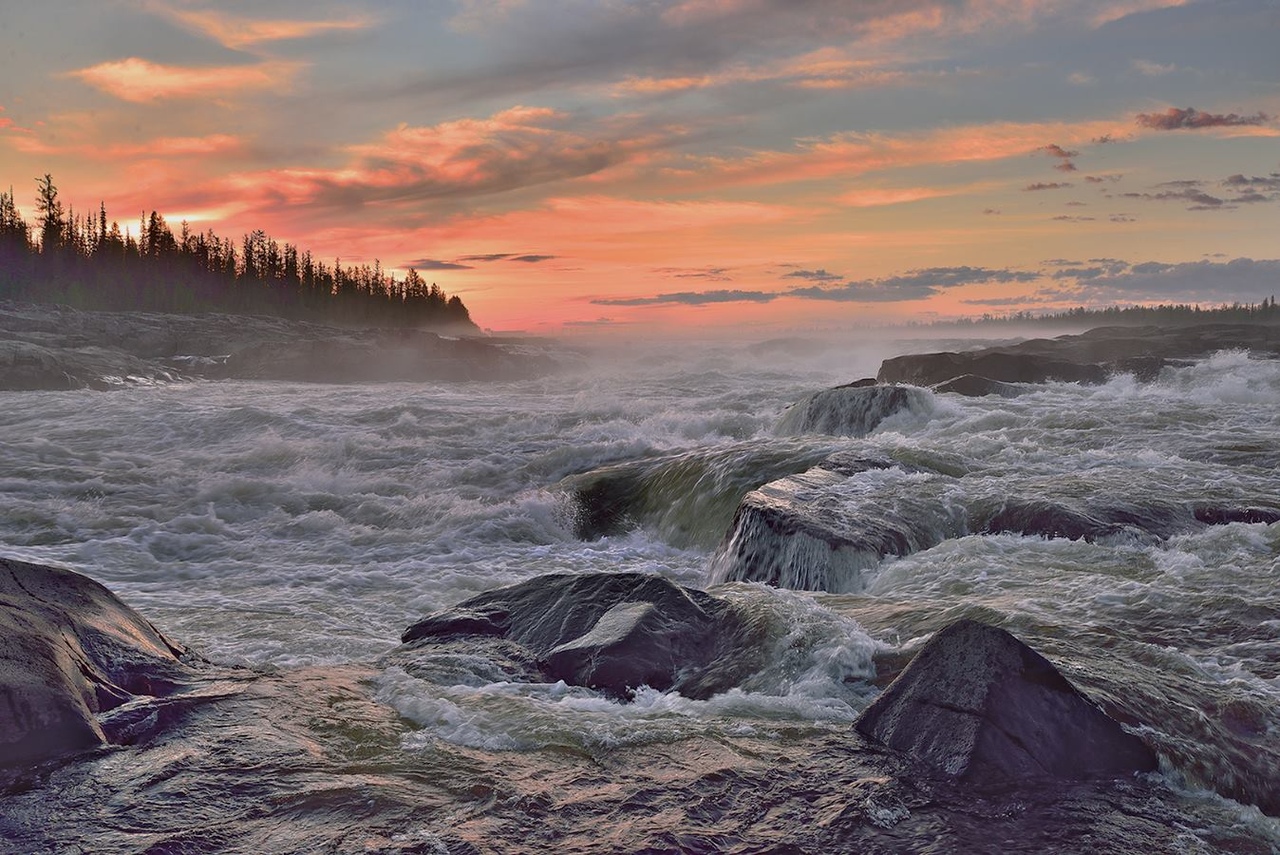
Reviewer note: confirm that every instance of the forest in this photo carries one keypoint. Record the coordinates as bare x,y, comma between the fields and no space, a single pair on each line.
79,260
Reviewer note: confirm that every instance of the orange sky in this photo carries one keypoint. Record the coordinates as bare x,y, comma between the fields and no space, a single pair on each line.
707,163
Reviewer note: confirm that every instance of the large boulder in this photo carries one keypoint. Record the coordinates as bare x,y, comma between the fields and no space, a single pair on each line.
69,652
979,705
608,631
821,530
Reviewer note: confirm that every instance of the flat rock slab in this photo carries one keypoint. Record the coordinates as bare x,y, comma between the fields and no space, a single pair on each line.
979,705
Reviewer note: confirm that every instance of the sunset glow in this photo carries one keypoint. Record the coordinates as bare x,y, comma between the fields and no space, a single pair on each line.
690,163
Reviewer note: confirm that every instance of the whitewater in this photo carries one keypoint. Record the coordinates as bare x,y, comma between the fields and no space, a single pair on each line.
282,525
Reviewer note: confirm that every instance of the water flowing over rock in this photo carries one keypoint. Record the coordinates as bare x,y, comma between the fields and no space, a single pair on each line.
70,651
690,498
821,529
827,528
979,705
854,410
613,631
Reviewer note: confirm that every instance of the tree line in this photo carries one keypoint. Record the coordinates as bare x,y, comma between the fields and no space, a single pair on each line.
1164,314
79,260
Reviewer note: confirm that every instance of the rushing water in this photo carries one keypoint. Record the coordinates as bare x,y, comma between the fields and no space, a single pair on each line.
284,525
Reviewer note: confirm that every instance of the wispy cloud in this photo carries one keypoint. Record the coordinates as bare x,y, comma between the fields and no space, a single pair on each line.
691,298
140,81
1153,69
436,264
818,275
238,31
912,285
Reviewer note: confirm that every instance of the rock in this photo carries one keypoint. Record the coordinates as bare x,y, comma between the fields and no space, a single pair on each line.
628,647
69,651
1090,357
690,498
611,631
28,367
853,410
979,705
55,347
822,529
1005,365
973,386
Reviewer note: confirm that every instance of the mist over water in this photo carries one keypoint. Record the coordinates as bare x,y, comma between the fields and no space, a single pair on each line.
280,524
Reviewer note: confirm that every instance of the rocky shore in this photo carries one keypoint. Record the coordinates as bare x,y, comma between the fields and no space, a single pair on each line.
111,733
57,348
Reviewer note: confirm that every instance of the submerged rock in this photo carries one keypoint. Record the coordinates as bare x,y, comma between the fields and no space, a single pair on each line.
979,705
608,631
853,410
69,652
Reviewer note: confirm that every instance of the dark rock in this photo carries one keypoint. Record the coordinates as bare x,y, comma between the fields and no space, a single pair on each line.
979,705
927,369
973,386
1143,368
853,410
28,367
611,631
1046,519
70,650
1086,358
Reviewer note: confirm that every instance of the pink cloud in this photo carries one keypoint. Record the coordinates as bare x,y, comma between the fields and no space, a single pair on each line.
237,31
140,81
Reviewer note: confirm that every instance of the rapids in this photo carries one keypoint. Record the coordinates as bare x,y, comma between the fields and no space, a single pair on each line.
290,526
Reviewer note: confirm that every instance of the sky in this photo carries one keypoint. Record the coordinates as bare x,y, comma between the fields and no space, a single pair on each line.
758,165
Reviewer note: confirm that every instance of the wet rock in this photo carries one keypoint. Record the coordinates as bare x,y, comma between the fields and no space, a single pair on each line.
973,386
927,369
853,410
613,631
690,498
69,651
28,367
979,705
822,529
